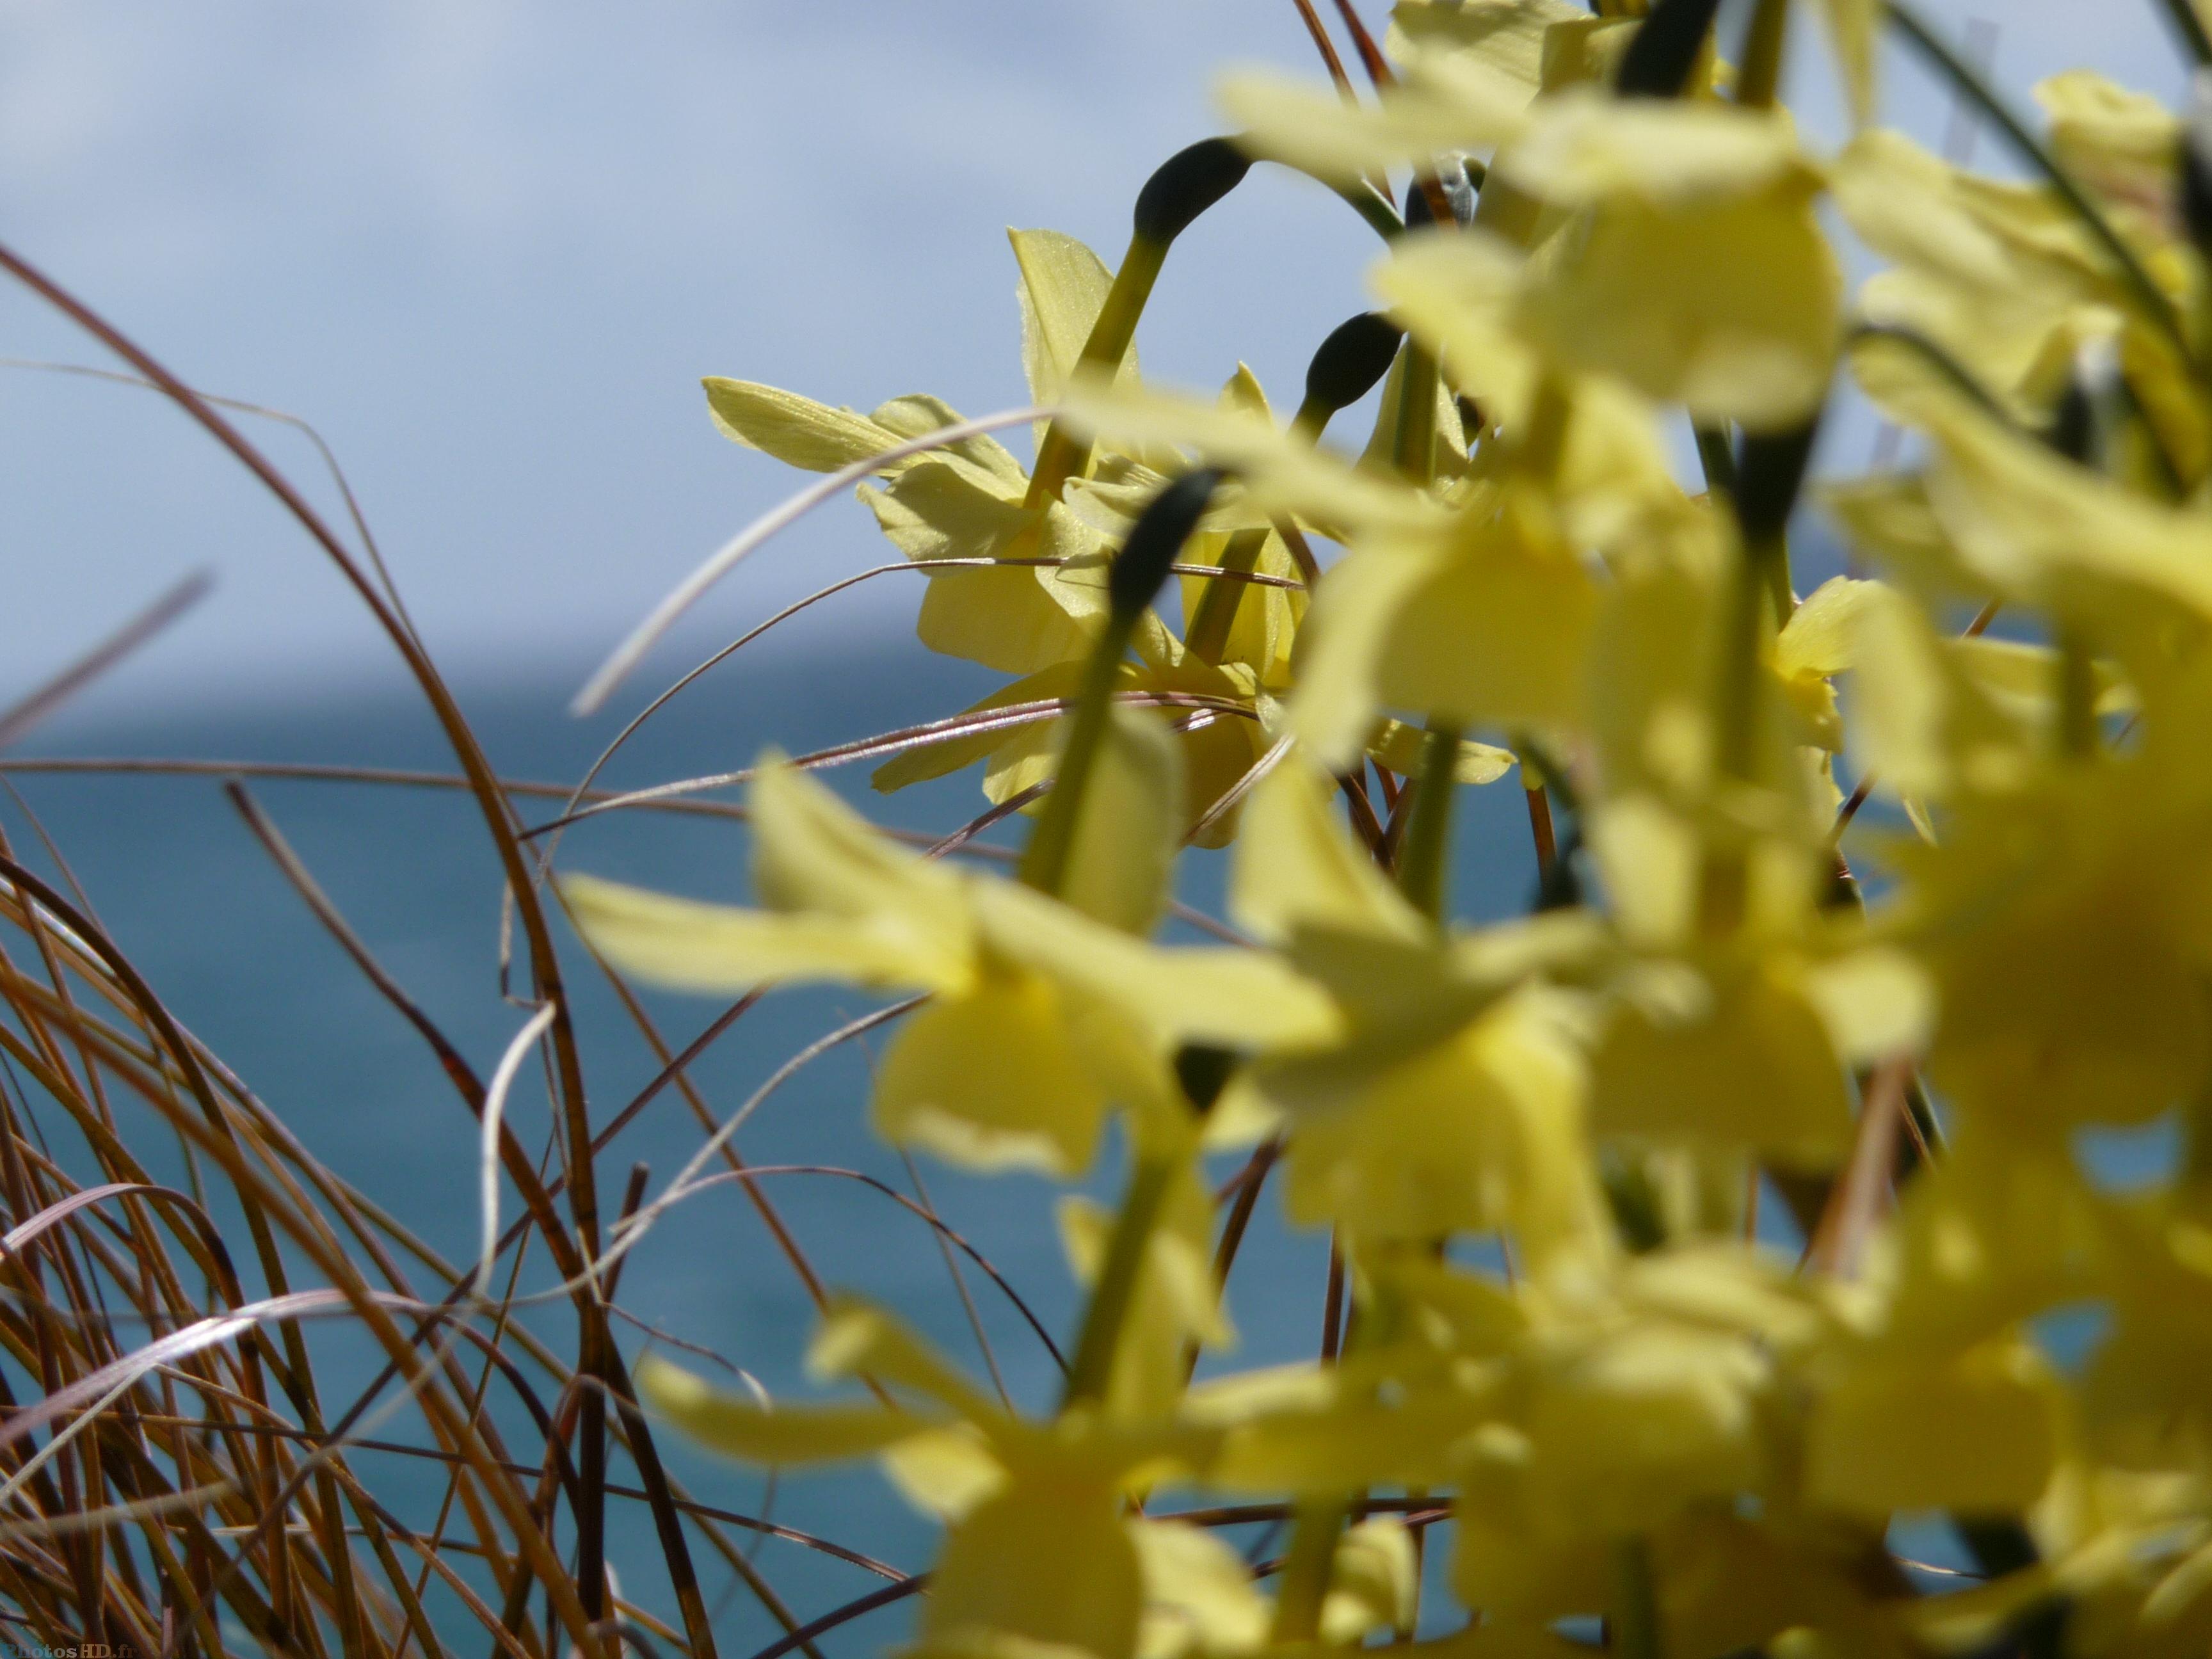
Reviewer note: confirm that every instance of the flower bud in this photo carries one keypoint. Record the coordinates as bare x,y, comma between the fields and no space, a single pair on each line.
1660,58
2093,407
1186,184
2196,167
1157,536
1354,358
1204,1071
1769,473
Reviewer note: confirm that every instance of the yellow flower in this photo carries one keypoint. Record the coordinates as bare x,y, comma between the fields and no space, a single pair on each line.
1483,624
1452,1101
1039,1016
1038,1554
966,501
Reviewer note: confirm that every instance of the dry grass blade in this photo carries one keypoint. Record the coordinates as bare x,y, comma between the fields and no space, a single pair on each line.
27,712
1005,718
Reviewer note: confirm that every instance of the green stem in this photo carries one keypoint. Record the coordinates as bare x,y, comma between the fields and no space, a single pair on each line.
2077,698
1635,1612
1414,443
1373,205
1718,458
1207,636
1092,1367
1044,862
1723,890
1307,1568
1544,445
1421,866
1759,75
2188,24
1976,91
1750,607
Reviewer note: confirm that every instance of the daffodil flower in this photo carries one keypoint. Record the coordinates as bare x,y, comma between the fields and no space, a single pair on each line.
1223,722
1039,1554
1452,1100
967,502
1039,1016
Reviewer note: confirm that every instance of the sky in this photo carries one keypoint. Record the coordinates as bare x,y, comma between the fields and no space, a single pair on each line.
488,247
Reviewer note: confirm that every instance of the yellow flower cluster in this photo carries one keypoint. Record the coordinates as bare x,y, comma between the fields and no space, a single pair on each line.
1652,1417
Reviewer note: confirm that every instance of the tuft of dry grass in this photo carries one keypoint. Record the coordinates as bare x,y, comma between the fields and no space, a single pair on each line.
182,1477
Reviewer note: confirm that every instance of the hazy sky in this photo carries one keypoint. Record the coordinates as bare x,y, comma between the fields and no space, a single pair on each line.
489,245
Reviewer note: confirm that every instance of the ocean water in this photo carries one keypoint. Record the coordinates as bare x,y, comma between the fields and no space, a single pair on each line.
180,884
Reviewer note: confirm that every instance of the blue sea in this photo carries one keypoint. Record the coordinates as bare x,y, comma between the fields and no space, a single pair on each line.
179,881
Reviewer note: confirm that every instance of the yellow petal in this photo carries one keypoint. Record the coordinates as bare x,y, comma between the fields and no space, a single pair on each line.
991,1080
1443,104
2121,141
796,430
720,948
1631,1428
1199,1593
2058,535
1233,997
1016,619
1044,1562
1729,306
1496,633
1585,147
1458,293
1478,1132
1340,697
946,1471
1921,720
1507,34
1373,1583
918,413
1063,289
1120,865
858,1338
1280,474
1348,1444
1448,442
1398,746
1297,866
1739,1060
789,1434
1978,1437
1821,633
813,853
1876,1003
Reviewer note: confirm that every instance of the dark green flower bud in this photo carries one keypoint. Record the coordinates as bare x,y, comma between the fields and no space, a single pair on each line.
1204,1071
2093,409
1769,474
2196,174
1186,184
1664,51
1158,535
1354,358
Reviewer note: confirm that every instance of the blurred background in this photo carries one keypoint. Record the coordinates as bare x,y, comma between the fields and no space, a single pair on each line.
487,247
